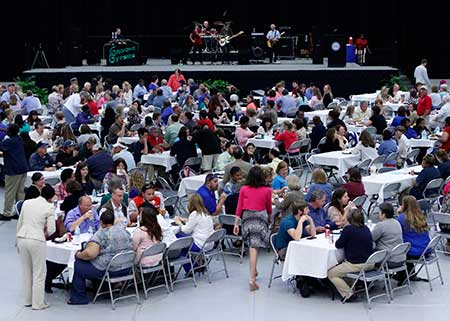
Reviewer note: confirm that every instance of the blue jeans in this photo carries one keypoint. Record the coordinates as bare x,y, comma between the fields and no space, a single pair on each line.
85,270
184,252
69,117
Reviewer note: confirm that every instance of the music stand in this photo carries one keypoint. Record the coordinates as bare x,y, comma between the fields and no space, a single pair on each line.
40,56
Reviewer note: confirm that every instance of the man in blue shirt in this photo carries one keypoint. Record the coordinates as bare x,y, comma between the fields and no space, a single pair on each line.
30,103
82,216
207,192
444,163
7,94
285,102
15,170
40,160
309,91
140,90
316,211
99,164
410,132
294,226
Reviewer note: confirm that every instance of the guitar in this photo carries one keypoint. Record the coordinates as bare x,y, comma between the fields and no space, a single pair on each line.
270,42
226,40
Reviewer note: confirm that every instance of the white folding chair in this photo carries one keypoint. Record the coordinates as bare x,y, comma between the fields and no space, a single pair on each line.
432,190
396,262
177,246
370,276
157,249
206,256
276,259
126,260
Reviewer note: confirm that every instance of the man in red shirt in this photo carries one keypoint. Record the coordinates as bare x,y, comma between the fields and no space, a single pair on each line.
197,43
158,145
424,104
204,120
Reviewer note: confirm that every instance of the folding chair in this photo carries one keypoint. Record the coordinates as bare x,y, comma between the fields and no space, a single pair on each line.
166,189
276,259
183,243
171,201
305,146
157,249
135,127
411,157
18,207
298,172
126,260
215,238
386,170
443,184
359,203
194,163
425,260
228,220
441,218
364,166
326,206
291,112
393,267
388,112
432,191
378,259
372,130
290,154
391,157
390,192
378,162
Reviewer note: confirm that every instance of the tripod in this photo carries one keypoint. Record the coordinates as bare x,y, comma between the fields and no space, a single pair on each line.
40,58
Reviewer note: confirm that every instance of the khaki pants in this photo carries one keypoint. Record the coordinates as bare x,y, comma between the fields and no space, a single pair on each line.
33,254
14,191
209,162
337,273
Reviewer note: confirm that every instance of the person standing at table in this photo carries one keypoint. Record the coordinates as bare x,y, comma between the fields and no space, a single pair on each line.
255,208
36,221
15,170
424,105
356,241
421,73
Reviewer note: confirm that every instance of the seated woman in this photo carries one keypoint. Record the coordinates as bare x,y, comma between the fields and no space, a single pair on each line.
23,126
199,224
266,127
252,120
334,117
33,118
82,176
294,226
354,186
61,187
137,181
287,137
415,231
428,173
91,262
319,182
84,117
377,120
279,182
387,234
339,207
37,184
249,154
118,171
292,194
356,241
331,143
301,128
148,234
348,117
401,114
341,132
388,146
365,147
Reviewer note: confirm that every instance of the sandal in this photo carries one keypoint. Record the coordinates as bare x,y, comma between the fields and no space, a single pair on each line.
253,286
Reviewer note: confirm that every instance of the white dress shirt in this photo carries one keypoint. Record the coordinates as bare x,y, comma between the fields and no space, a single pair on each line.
201,227
36,216
421,75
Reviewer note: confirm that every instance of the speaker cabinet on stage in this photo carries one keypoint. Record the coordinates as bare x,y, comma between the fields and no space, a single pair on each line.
336,50
317,57
75,55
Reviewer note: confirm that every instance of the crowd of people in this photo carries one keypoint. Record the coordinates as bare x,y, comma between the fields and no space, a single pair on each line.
185,118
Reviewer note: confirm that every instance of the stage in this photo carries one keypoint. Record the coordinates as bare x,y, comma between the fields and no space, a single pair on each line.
352,79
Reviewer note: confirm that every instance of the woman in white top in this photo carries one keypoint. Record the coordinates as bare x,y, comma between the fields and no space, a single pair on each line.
316,99
36,222
365,146
266,127
199,224
348,117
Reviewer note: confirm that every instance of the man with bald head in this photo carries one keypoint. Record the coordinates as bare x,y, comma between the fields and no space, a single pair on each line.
82,216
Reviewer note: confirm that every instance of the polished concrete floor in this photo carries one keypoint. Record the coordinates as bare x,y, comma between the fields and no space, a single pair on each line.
224,299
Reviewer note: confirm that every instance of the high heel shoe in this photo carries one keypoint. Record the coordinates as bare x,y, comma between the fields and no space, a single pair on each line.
253,286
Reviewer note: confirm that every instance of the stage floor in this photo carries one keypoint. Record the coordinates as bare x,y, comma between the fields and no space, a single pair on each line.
164,65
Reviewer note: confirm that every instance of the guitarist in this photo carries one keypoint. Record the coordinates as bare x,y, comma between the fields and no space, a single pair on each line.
225,32
272,41
197,43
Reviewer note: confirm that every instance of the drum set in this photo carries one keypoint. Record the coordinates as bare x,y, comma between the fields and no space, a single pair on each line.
211,38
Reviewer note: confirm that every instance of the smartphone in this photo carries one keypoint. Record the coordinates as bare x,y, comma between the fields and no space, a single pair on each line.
310,237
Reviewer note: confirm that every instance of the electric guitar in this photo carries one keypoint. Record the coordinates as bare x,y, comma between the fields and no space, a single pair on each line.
226,40
270,42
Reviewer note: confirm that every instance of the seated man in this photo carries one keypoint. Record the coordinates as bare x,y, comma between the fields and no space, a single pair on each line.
116,205
225,158
207,190
118,129
294,226
149,195
316,211
40,133
82,216
233,185
67,155
40,160
91,262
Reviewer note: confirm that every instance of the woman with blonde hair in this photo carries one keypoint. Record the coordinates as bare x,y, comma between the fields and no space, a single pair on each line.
127,93
293,194
414,229
199,224
137,182
319,182
327,95
316,99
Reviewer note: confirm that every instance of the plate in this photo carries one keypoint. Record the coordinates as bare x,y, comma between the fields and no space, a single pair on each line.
346,152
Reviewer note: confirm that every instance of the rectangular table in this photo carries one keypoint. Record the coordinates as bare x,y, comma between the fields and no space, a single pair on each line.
128,140
415,143
47,175
192,183
311,257
266,142
374,184
339,159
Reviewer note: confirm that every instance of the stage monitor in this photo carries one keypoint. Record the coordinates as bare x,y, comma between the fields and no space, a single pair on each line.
336,50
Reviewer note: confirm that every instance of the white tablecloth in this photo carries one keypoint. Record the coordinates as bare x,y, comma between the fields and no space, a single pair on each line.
357,99
323,114
95,127
423,143
128,140
311,257
394,106
342,161
47,175
162,159
266,142
192,183
374,184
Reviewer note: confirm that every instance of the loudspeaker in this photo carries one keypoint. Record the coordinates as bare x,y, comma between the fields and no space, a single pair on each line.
75,55
243,57
336,51
317,57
